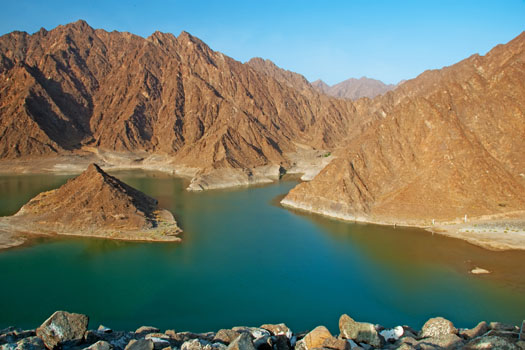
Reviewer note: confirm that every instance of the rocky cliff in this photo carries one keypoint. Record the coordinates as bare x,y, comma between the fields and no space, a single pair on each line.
98,205
77,89
354,89
448,147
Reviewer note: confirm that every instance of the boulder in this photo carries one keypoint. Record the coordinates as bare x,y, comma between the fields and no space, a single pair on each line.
336,344
361,332
492,342
160,340
498,326
444,342
226,336
522,331
281,342
196,344
140,344
142,331
314,339
253,331
263,343
475,332
278,329
242,342
62,327
100,345
437,327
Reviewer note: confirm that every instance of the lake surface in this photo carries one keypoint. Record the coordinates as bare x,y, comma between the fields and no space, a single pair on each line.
246,261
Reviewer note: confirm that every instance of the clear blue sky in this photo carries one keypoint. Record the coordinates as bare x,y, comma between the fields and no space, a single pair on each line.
331,40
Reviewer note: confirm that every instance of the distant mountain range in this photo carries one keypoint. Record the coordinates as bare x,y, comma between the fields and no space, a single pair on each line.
446,144
354,89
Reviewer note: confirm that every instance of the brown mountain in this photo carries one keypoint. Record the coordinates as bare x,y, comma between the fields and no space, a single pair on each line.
354,89
450,143
75,90
99,205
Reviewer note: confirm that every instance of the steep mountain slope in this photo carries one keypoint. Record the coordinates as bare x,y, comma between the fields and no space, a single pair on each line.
354,89
78,89
449,144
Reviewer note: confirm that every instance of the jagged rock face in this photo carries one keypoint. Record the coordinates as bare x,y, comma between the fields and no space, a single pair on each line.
78,88
449,143
354,89
94,203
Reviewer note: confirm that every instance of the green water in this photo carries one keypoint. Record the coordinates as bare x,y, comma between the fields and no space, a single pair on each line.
246,261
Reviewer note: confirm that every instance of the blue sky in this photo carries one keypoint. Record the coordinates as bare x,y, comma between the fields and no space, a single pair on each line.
331,40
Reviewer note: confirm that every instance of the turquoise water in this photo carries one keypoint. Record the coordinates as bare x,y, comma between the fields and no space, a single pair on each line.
246,261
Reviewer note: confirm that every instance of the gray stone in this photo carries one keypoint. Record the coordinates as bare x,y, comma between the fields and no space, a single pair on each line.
100,345
243,342
253,331
104,329
520,344
28,343
226,336
437,327
13,335
522,331
63,328
491,342
278,329
118,340
361,332
140,344
475,332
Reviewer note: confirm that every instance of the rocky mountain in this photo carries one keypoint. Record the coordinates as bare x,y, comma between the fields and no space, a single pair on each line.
354,89
96,204
449,147
77,89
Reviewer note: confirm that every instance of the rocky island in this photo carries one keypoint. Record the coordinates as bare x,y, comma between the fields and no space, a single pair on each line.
93,204
64,330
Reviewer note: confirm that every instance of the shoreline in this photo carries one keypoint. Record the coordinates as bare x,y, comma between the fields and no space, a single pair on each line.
470,231
70,330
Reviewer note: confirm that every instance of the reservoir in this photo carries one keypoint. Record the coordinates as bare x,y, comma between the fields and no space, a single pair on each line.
245,260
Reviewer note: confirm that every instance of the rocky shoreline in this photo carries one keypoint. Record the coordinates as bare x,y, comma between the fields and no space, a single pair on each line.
498,233
64,330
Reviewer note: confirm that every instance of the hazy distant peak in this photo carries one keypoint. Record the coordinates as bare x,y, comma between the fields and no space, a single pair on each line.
354,88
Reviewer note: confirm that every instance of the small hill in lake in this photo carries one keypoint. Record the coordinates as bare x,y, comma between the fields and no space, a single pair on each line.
99,205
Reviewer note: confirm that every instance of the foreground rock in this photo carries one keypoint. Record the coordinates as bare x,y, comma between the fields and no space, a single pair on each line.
64,330
95,204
